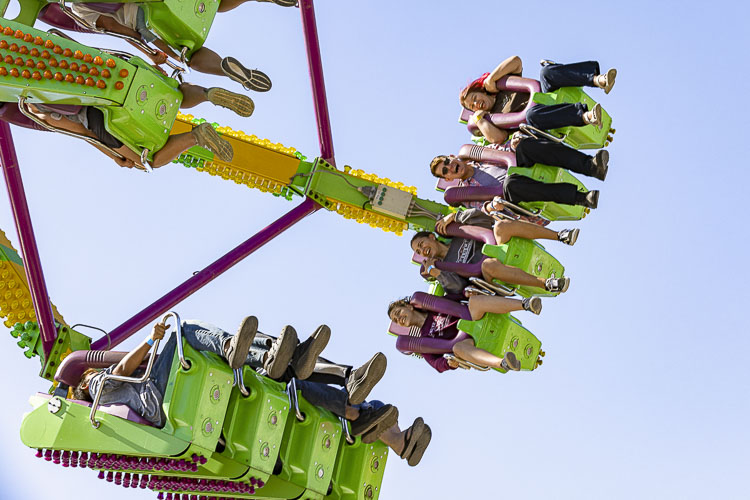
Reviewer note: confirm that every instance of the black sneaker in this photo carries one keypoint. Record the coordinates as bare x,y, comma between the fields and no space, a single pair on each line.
601,164
559,285
533,305
280,354
510,362
568,236
251,79
590,199
385,417
306,353
239,345
363,379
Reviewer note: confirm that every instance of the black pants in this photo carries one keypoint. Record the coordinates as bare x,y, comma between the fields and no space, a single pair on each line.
520,188
546,117
96,124
530,151
554,76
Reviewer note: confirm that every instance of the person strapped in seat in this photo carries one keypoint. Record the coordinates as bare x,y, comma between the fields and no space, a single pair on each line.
452,263
483,97
282,359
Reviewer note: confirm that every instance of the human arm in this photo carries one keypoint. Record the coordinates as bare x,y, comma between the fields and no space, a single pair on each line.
109,24
494,134
134,358
511,66
442,224
438,362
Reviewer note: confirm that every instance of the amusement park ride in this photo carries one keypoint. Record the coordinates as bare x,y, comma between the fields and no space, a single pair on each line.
262,439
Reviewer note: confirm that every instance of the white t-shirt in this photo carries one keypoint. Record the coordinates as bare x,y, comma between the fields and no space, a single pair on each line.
127,15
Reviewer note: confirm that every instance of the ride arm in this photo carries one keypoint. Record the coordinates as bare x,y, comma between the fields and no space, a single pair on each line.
134,358
511,66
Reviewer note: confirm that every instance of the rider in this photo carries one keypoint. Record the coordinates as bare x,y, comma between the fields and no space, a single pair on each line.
443,327
129,19
482,97
469,251
516,188
373,420
89,121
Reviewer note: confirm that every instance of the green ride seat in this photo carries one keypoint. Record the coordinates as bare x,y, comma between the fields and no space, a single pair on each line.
308,455
500,333
139,103
529,256
586,137
254,425
196,399
181,23
359,470
550,210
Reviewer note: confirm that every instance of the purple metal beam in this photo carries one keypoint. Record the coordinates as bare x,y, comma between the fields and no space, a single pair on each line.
205,276
29,251
316,77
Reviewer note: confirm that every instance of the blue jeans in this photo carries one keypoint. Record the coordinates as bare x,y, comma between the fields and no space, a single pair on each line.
581,74
202,337
331,399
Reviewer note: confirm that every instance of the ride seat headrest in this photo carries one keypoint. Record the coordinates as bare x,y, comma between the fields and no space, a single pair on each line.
72,367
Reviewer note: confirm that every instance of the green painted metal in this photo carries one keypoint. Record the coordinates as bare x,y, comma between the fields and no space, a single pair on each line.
359,470
182,23
325,183
500,333
67,341
149,111
587,137
254,425
69,429
50,90
309,449
140,114
529,256
547,209
28,12
199,418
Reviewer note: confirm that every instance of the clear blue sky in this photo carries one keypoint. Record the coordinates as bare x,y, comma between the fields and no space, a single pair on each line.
644,389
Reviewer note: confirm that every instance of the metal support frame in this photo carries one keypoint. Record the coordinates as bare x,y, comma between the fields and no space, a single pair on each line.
202,278
30,253
29,250
315,65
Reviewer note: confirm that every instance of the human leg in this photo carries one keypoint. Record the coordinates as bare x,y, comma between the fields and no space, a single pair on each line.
581,74
506,229
546,117
206,61
530,151
234,348
467,350
519,188
324,396
409,444
479,305
494,269
163,365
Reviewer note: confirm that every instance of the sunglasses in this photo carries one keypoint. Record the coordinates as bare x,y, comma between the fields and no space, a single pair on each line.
446,166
